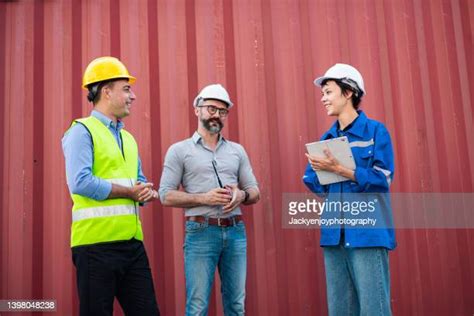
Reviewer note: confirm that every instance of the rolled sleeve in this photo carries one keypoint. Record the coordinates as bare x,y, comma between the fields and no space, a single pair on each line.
172,173
247,179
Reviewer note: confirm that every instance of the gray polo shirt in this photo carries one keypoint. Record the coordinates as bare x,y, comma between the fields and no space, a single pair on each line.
189,163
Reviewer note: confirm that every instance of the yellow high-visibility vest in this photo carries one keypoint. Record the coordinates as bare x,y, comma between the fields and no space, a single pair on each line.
111,219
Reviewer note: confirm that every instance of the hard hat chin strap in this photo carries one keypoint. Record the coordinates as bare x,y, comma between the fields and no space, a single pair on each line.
93,92
199,101
94,88
356,90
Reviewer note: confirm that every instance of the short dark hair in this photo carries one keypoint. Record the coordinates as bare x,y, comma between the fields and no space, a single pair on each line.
95,89
345,89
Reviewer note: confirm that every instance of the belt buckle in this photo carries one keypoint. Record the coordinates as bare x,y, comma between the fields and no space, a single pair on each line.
219,221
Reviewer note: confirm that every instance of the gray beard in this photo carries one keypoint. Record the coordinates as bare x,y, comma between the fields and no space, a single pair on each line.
212,129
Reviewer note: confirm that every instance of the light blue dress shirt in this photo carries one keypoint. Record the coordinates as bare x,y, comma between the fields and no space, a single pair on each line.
79,156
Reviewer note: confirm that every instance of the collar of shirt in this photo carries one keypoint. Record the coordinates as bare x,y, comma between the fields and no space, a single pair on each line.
107,121
197,137
357,126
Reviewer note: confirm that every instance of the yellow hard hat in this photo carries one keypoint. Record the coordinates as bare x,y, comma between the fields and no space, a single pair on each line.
105,68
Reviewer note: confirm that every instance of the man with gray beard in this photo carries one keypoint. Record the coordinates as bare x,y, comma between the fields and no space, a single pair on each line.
216,177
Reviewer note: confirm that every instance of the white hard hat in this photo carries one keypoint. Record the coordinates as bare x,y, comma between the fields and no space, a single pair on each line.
343,72
215,92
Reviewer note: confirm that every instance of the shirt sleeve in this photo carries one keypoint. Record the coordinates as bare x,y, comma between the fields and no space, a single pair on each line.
78,153
141,177
247,179
379,176
172,174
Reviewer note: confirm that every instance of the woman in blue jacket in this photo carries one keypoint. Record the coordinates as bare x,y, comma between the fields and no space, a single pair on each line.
355,258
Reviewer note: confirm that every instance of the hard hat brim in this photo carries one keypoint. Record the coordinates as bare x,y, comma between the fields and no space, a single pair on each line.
196,101
131,80
318,81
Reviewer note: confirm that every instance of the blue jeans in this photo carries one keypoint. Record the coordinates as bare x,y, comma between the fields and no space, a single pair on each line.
357,281
205,248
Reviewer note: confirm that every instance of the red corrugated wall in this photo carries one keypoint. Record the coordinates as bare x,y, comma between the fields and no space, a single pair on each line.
417,60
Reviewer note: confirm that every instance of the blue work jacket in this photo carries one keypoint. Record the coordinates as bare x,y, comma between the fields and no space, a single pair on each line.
372,151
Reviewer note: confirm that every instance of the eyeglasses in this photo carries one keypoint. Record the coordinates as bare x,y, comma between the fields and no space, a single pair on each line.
213,109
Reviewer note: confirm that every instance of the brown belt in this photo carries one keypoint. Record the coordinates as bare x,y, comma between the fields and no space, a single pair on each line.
222,222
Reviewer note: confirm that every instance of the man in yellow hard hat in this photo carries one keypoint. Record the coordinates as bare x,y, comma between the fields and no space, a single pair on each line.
107,186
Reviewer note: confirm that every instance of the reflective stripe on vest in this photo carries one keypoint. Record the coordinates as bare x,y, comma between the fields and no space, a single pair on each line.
103,211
